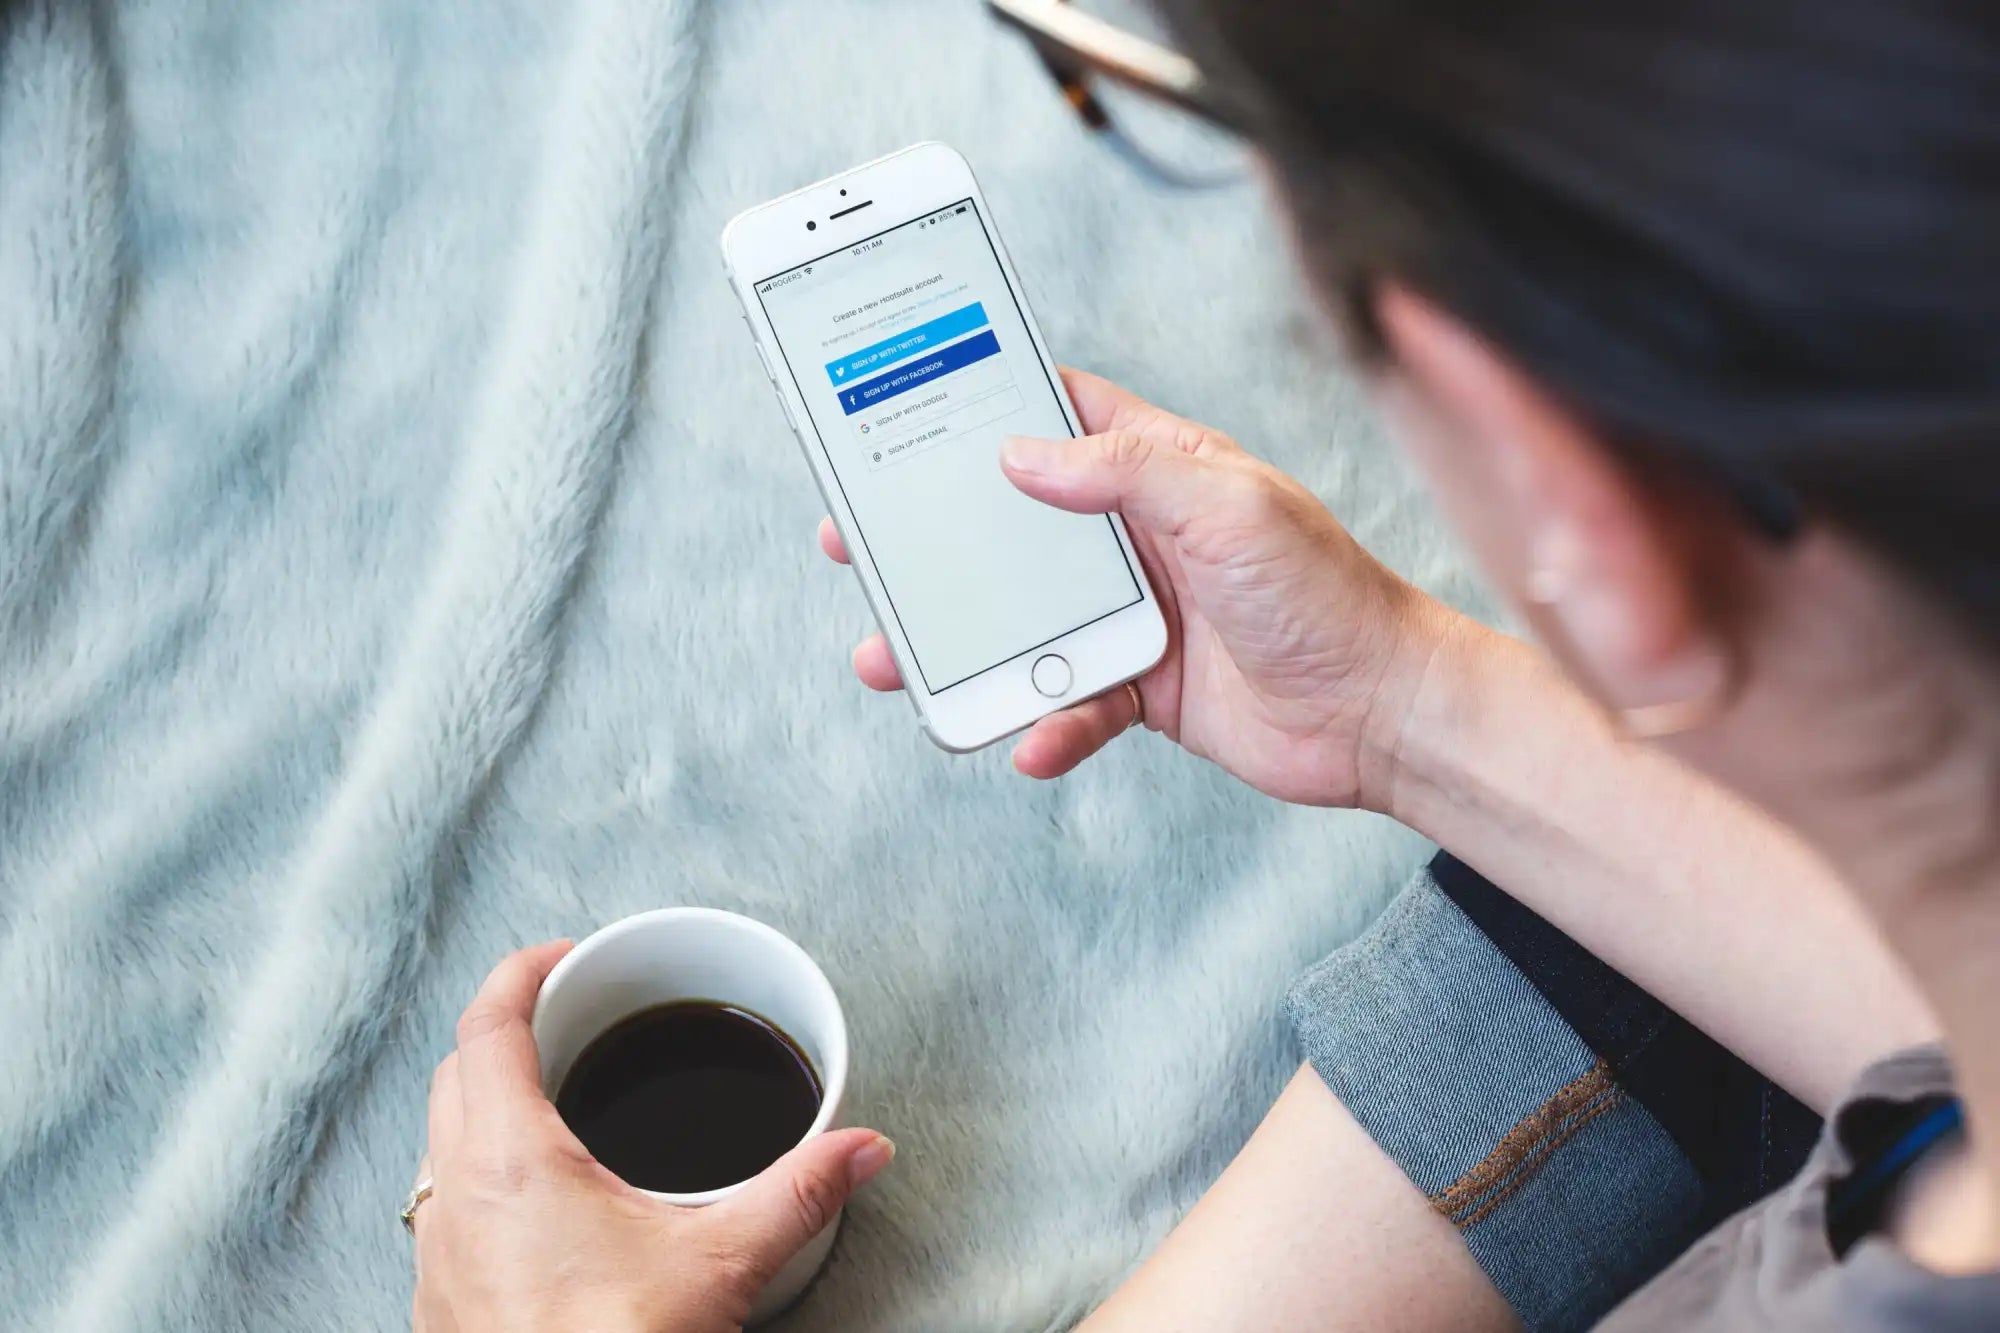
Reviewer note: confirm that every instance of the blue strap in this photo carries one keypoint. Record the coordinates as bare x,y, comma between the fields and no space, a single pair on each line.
1853,1202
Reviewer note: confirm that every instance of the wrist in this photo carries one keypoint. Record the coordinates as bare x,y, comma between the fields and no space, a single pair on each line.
1422,690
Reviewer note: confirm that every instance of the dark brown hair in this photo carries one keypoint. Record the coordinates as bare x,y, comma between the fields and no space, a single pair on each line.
1761,233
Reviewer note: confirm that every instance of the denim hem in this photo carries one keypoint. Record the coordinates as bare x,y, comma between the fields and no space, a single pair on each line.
1568,1193
1743,1135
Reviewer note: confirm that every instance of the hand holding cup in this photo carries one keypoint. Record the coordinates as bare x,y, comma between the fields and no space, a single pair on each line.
525,1229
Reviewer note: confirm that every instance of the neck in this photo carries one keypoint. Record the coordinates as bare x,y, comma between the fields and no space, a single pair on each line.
1942,916
1948,932
1898,786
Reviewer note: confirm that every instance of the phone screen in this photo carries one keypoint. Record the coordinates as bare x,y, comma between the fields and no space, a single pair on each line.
913,357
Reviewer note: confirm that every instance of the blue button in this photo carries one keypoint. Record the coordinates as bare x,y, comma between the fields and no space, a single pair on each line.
860,397
908,343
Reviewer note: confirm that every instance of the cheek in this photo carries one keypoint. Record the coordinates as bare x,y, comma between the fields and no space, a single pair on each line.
1469,489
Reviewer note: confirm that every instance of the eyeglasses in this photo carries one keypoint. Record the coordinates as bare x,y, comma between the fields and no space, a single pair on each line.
1181,130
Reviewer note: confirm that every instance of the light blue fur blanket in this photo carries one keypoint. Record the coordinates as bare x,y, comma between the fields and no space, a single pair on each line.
402,559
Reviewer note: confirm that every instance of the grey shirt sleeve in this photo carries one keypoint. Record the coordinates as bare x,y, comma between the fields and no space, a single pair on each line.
1773,1267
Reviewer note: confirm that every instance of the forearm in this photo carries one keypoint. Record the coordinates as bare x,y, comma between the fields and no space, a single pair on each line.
1703,901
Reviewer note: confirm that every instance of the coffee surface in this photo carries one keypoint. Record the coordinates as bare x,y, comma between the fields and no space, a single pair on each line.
691,1096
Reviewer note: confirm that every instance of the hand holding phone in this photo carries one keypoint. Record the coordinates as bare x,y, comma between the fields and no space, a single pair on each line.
1294,653
894,331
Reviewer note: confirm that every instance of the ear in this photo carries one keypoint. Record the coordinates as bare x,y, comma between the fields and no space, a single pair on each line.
1607,561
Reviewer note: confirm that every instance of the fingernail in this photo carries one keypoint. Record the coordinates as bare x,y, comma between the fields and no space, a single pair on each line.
868,1160
1025,453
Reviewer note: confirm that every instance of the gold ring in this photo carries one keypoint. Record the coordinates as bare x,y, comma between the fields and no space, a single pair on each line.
1138,707
411,1204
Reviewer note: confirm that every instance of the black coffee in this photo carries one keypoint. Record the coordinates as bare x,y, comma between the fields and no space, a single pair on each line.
687,1097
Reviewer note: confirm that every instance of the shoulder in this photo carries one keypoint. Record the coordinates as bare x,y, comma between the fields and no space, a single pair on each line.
1783,1263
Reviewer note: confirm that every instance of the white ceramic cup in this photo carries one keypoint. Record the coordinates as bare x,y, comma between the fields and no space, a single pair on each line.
701,953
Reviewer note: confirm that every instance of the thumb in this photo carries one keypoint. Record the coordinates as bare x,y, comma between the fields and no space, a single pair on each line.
1157,485
798,1196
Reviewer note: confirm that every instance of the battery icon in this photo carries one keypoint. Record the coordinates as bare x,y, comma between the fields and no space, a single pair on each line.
961,208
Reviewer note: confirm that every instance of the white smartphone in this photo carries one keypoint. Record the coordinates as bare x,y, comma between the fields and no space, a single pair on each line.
894,330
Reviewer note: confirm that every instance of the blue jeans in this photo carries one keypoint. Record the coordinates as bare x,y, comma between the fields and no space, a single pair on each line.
1577,1132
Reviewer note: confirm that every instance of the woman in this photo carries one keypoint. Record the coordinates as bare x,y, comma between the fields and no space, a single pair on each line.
1687,309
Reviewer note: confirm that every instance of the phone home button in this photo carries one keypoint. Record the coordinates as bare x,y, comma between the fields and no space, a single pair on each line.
1051,675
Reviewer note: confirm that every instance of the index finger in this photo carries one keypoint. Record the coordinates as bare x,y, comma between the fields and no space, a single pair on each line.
1097,399
497,1062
